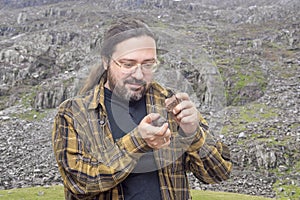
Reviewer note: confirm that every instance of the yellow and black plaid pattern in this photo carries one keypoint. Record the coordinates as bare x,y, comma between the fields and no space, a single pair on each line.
92,165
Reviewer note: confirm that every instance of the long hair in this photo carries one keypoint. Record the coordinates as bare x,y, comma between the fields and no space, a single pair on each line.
121,30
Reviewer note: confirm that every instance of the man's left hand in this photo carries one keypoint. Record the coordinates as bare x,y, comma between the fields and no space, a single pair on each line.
186,114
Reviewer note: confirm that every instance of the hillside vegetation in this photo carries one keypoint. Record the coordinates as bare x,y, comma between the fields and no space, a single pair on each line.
239,61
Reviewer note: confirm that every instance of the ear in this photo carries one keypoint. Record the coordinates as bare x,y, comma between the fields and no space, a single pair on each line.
105,62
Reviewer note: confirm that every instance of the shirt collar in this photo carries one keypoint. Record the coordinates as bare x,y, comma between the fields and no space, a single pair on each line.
98,93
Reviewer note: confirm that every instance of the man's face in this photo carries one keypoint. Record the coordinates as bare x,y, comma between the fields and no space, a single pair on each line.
131,86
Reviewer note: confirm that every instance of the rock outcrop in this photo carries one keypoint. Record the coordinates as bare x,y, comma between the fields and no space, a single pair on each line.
238,60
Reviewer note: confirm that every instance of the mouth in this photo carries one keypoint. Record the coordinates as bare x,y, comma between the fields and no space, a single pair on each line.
135,87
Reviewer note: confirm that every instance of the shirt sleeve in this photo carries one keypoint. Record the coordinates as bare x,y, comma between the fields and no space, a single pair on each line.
209,162
81,171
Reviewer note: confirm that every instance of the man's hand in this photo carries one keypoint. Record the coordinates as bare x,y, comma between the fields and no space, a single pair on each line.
185,113
156,137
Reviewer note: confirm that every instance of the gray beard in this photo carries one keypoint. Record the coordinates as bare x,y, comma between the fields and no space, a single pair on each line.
122,92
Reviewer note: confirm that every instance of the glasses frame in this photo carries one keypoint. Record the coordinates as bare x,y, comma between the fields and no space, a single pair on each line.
133,69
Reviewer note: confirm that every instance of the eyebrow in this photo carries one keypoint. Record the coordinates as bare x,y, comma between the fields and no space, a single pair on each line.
133,60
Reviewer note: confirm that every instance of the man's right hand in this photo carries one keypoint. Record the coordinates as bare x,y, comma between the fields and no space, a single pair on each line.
156,137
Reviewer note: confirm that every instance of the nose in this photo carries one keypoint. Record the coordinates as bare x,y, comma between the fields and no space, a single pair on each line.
138,74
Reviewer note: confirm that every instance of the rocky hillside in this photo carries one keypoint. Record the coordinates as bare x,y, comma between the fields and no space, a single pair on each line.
238,59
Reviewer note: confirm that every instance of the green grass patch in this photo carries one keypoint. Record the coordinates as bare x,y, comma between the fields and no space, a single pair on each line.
26,102
286,191
289,72
297,166
295,126
209,195
252,78
275,46
56,192
244,78
254,112
35,193
27,99
30,115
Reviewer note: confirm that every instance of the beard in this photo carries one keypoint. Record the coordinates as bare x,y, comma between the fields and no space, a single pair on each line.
119,89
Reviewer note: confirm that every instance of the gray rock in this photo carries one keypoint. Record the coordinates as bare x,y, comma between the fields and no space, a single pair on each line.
48,46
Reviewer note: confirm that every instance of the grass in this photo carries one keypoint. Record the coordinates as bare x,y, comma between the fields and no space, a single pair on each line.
30,115
287,192
287,189
26,100
209,195
254,112
244,77
35,193
56,192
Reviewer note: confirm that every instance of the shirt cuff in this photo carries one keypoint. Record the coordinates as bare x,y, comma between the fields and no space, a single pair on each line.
192,142
134,143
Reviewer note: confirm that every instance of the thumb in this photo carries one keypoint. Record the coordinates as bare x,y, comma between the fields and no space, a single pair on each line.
150,117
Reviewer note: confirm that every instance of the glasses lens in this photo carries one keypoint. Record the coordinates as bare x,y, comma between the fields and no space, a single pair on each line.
130,68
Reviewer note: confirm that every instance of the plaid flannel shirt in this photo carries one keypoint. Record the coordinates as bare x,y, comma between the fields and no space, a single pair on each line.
92,165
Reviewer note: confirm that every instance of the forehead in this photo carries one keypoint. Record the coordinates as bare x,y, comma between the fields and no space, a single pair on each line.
136,47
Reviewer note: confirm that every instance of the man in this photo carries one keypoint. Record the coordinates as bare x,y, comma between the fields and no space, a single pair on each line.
124,137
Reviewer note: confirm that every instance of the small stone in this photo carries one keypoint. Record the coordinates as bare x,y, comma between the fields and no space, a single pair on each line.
282,168
5,118
41,193
242,135
159,122
37,170
281,189
171,103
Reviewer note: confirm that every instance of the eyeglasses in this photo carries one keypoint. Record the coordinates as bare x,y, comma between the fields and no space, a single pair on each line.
130,67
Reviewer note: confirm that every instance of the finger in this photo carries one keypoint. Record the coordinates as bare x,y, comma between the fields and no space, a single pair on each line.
159,143
151,131
184,105
150,117
182,96
171,100
151,142
166,136
166,143
166,140
191,119
151,139
180,115
162,130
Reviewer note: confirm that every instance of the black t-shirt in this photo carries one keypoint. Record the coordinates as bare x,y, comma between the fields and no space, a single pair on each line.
143,182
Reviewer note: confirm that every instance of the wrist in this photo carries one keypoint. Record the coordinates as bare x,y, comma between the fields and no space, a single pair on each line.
187,134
